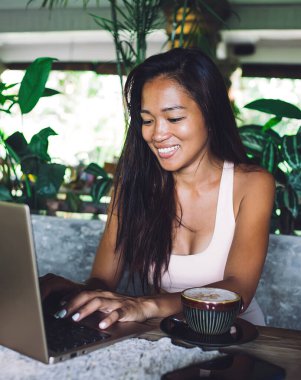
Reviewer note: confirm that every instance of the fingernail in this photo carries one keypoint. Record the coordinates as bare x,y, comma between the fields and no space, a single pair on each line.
60,314
102,325
75,316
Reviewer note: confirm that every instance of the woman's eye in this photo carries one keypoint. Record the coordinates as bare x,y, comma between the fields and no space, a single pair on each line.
175,119
146,122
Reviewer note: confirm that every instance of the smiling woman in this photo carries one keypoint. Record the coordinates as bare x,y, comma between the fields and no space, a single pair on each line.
188,210
173,124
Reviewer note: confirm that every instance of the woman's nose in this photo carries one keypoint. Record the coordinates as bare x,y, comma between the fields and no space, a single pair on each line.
161,132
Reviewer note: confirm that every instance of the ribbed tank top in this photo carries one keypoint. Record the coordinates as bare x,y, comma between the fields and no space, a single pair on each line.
208,266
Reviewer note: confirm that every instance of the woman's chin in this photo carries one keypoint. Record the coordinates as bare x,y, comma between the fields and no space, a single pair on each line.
169,166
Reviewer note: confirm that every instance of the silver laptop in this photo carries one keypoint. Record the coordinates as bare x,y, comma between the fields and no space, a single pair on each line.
24,325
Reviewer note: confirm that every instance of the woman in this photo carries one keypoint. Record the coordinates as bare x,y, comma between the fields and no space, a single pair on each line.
189,209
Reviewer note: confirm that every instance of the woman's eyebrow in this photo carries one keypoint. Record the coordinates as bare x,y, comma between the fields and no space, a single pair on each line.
166,109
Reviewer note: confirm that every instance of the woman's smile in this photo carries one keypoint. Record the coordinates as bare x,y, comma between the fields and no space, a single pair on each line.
168,151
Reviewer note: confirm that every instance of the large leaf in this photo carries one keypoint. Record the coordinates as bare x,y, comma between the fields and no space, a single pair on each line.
39,143
101,188
31,164
270,156
5,194
275,107
33,83
287,198
17,143
255,138
50,92
291,150
252,138
294,179
49,180
96,170
290,200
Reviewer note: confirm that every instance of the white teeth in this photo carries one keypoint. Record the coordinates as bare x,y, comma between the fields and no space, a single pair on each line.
169,149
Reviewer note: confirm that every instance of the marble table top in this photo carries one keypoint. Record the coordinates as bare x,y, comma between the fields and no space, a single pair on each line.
131,359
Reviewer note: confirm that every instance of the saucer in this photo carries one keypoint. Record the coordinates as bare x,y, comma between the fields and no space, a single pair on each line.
176,328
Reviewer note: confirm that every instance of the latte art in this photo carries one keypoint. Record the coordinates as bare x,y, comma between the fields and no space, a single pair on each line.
210,295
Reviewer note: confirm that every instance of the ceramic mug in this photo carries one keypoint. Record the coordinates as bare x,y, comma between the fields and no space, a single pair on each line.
210,311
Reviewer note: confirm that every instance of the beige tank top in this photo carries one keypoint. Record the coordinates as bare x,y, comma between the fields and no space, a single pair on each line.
199,269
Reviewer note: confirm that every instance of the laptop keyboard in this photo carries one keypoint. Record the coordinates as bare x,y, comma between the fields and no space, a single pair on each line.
64,335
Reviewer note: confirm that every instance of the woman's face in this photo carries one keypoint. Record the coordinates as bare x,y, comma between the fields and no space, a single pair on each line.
173,125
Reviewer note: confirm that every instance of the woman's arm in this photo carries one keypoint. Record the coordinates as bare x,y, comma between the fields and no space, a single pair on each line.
249,247
107,266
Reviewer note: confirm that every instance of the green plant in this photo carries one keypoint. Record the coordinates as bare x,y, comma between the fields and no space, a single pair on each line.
279,155
92,180
27,173
102,183
131,21
195,23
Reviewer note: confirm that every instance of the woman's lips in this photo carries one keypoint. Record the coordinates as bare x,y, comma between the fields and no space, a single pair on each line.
168,152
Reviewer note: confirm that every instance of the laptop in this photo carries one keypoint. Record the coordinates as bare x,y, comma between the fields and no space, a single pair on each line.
26,325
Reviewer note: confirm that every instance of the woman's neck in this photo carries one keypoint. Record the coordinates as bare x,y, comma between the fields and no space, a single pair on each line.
206,171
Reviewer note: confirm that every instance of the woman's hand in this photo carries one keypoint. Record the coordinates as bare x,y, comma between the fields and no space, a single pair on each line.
117,307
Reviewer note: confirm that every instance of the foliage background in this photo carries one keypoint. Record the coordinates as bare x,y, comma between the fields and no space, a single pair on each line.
87,116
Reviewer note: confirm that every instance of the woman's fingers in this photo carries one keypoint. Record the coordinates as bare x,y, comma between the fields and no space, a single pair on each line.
95,304
86,303
112,318
117,307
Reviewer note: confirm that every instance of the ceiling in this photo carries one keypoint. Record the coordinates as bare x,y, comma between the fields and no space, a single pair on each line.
259,31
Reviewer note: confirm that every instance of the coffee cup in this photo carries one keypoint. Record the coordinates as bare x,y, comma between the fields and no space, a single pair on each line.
210,311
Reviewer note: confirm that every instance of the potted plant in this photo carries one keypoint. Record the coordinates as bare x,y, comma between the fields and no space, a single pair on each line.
195,23
28,173
279,155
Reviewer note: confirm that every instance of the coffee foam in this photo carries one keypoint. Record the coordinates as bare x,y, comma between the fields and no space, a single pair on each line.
210,294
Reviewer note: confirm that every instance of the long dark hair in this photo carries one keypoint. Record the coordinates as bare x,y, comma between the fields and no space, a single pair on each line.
145,195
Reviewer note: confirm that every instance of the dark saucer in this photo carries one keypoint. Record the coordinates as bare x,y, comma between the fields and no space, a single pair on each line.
176,328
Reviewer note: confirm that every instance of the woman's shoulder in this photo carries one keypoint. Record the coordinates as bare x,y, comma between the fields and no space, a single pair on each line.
254,179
